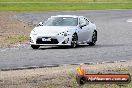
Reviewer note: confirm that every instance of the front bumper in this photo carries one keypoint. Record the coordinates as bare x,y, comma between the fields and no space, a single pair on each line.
55,40
51,44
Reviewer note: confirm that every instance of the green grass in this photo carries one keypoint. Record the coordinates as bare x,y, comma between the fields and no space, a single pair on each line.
62,5
16,39
19,7
65,0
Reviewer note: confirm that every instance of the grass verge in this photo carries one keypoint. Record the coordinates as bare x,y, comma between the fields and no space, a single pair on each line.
62,77
16,39
65,1
36,6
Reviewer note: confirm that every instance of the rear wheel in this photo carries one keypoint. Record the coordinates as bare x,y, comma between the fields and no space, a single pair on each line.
94,39
74,41
35,46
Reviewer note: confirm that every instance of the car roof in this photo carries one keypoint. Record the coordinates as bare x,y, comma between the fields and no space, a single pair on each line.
74,16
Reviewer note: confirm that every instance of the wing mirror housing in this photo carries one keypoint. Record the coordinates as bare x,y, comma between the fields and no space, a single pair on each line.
82,25
41,24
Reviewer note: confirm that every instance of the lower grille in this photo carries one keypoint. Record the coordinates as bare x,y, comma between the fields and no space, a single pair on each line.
53,41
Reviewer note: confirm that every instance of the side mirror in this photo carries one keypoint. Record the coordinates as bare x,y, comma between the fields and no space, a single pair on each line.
41,24
82,25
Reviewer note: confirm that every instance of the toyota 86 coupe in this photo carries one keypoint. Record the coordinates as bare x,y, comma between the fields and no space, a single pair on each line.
64,30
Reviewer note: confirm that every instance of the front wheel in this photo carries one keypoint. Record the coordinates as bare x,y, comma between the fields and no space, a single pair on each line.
35,46
74,41
94,39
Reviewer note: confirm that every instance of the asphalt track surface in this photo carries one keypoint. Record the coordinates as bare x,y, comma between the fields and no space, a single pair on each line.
114,42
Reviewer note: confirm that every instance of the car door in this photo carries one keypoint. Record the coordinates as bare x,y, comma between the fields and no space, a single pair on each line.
88,29
83,31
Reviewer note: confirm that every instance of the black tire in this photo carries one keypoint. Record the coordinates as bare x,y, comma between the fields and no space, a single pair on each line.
74,41
94,39
35,46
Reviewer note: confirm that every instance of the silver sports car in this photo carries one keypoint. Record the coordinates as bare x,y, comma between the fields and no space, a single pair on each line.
64,30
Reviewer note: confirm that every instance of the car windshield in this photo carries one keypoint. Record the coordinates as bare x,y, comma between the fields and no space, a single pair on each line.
61,21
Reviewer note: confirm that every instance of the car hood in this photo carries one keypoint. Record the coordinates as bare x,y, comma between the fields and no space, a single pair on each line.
52,29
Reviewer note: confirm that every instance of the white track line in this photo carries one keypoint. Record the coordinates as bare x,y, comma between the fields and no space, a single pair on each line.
129,20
